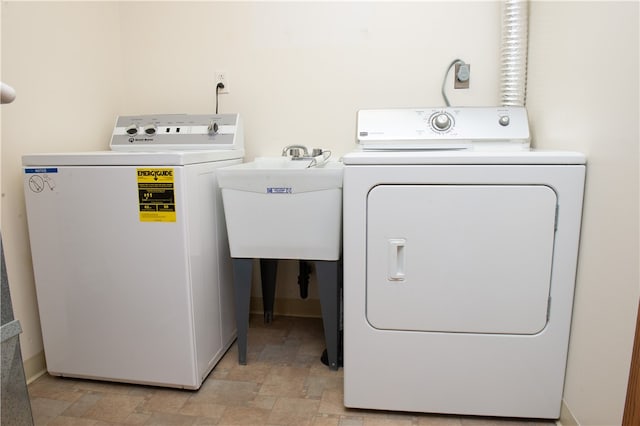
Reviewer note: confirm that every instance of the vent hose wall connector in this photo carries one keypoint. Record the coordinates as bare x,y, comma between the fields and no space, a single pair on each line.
513,67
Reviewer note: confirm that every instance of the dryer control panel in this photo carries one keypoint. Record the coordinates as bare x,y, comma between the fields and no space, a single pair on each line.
478,128
164,132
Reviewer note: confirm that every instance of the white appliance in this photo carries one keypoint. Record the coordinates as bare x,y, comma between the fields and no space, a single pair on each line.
130,253
459,264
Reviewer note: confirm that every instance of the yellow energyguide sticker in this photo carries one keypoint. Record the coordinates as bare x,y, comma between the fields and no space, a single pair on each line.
156,195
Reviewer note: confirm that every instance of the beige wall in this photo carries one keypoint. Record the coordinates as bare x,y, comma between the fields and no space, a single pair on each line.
584,95
298,72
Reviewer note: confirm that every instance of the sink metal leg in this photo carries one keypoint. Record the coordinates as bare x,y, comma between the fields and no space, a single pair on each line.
242,269
268,273
329,290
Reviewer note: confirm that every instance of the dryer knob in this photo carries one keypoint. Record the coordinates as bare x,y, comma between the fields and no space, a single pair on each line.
442,121
504,120
212,129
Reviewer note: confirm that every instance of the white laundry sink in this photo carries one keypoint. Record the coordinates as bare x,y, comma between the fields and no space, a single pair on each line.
280,208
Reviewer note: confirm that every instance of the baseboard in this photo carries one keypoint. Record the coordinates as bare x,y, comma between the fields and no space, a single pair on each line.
290,307
566,416
34,367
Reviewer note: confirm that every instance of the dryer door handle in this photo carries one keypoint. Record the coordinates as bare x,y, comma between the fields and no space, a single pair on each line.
397,247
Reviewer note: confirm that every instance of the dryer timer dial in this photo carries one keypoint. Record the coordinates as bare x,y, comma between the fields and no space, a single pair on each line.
504,120
441,121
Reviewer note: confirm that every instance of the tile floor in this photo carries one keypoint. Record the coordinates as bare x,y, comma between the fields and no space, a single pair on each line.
283,383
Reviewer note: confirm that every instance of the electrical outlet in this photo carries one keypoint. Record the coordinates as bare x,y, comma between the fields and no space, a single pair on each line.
462,76
221,77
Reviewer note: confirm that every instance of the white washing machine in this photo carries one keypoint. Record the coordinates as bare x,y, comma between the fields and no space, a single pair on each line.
460,252
130,254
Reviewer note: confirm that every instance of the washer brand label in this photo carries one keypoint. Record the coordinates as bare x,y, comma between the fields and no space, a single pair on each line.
156,195
280,190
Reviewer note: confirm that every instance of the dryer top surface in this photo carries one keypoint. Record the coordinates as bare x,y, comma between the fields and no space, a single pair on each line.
449,157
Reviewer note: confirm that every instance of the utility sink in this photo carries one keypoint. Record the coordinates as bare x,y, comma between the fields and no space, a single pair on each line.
283,208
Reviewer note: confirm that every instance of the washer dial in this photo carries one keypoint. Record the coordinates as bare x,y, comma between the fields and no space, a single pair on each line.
131,130
150,129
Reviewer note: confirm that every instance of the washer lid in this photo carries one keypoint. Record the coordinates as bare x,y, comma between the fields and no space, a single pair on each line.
462,157
115,158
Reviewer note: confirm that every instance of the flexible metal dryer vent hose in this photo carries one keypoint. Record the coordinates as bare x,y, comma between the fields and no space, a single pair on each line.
513,66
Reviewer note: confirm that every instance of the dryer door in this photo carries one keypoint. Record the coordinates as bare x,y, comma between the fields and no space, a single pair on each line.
460,258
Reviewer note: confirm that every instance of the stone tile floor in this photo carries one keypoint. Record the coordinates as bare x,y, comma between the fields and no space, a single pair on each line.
283,383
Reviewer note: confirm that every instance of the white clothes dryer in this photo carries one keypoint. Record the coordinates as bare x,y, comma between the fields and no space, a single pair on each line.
130,253
459,264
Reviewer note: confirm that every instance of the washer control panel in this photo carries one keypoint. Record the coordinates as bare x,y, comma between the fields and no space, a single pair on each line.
177,132
444,128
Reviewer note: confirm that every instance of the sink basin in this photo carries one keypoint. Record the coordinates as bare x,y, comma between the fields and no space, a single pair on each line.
279,208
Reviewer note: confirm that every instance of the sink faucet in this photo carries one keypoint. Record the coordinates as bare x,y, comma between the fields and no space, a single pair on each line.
294,150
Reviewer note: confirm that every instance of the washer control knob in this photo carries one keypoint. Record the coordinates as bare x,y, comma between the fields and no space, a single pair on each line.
131,130
212,128
504,120
150,129
442,121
